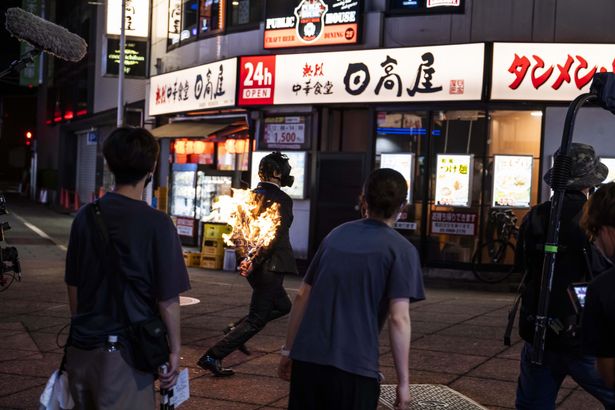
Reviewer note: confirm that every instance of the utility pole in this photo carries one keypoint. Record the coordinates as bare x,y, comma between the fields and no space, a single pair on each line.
120,74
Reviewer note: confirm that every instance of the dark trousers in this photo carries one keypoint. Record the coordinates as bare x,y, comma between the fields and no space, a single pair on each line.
318,387
538,385
269,302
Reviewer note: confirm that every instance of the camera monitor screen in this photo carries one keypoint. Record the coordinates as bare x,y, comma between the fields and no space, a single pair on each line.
578,293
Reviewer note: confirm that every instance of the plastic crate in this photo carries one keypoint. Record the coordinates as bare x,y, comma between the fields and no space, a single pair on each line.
212,262
215,230
213,247
192,259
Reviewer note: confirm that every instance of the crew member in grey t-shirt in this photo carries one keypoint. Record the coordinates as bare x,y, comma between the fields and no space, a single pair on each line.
363,272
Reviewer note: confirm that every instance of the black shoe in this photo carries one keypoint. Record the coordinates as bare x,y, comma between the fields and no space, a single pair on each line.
207,362
243,349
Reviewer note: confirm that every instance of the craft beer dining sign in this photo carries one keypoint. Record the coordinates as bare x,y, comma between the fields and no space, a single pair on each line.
301,23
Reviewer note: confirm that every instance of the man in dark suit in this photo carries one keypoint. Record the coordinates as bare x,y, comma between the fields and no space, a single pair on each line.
266,271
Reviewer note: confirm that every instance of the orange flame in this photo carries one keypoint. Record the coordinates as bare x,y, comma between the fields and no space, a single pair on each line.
254,223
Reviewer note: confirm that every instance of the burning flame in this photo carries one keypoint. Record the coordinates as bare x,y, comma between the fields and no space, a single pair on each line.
254,226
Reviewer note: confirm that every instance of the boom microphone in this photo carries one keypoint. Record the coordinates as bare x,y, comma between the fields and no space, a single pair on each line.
45,35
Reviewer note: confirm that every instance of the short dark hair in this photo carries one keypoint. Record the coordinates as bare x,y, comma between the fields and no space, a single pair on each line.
131,153
599,211
384,191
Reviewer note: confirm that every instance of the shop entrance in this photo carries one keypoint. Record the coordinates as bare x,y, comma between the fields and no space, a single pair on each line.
339,177
463,166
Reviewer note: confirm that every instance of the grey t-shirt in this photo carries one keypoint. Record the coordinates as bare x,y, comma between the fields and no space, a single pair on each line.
359,267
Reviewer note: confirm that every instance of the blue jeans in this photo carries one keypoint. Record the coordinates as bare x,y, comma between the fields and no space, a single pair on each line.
538,385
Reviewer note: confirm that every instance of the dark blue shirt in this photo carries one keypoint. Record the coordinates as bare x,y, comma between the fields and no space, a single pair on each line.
358,269
151,263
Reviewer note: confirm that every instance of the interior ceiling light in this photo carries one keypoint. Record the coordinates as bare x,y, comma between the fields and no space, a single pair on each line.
536,113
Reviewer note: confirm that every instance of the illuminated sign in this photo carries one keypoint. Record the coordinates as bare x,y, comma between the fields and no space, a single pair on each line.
610,163
207,86
284,133
512,181
137,18
402,163
426,6
453,180
297,161
135,56
547,72
300,23
412,74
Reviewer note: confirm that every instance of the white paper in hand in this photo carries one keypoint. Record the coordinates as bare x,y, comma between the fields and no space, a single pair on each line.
181,391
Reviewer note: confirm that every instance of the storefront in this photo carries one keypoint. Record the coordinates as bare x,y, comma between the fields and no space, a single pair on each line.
472,146
205,143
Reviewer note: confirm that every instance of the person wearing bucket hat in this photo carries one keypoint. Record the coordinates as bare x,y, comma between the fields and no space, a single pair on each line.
576,261
587,170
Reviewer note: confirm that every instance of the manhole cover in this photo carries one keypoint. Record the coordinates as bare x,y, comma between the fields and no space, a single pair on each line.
186,301
429,397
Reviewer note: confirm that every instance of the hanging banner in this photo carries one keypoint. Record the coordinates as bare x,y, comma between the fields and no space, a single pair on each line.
453,180
137,18
547,71
402,163
512,181
436,73
207,86
301,23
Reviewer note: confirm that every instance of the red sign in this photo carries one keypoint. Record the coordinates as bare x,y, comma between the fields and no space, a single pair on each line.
256,80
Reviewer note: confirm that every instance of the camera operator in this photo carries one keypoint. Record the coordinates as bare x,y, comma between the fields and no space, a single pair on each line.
538,385
599,313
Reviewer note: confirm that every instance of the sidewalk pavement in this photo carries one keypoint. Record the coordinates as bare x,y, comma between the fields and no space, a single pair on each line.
456,334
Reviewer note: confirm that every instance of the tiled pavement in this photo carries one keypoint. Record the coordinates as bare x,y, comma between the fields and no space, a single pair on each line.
456,334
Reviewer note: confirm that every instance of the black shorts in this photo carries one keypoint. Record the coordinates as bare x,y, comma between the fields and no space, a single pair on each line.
318,387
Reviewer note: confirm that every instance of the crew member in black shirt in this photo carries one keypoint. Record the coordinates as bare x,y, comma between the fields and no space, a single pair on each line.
599,312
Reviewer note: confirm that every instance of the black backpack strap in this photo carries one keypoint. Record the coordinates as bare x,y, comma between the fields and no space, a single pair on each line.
113,263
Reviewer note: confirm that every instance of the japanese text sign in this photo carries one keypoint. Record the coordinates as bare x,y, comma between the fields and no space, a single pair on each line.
402,163
136,17
208,86
547,72
454,223
284,133
300,23
453,179
437,73
512,181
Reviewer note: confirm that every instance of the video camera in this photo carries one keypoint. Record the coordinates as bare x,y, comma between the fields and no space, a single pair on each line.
10,268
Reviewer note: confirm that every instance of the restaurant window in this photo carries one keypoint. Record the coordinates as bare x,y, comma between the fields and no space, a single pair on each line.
401,144
233,154
211,16
189,19
246,12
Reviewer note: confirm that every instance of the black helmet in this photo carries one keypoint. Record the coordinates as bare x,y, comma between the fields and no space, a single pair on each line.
276,161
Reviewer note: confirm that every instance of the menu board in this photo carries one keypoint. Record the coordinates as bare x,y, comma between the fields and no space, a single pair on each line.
610,163
512,181
402,163
453,180
288,132
297,161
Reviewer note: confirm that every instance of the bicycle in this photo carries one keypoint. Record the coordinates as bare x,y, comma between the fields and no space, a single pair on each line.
10,268
489,262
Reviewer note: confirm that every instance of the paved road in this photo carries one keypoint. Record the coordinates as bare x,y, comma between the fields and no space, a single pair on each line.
456,334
